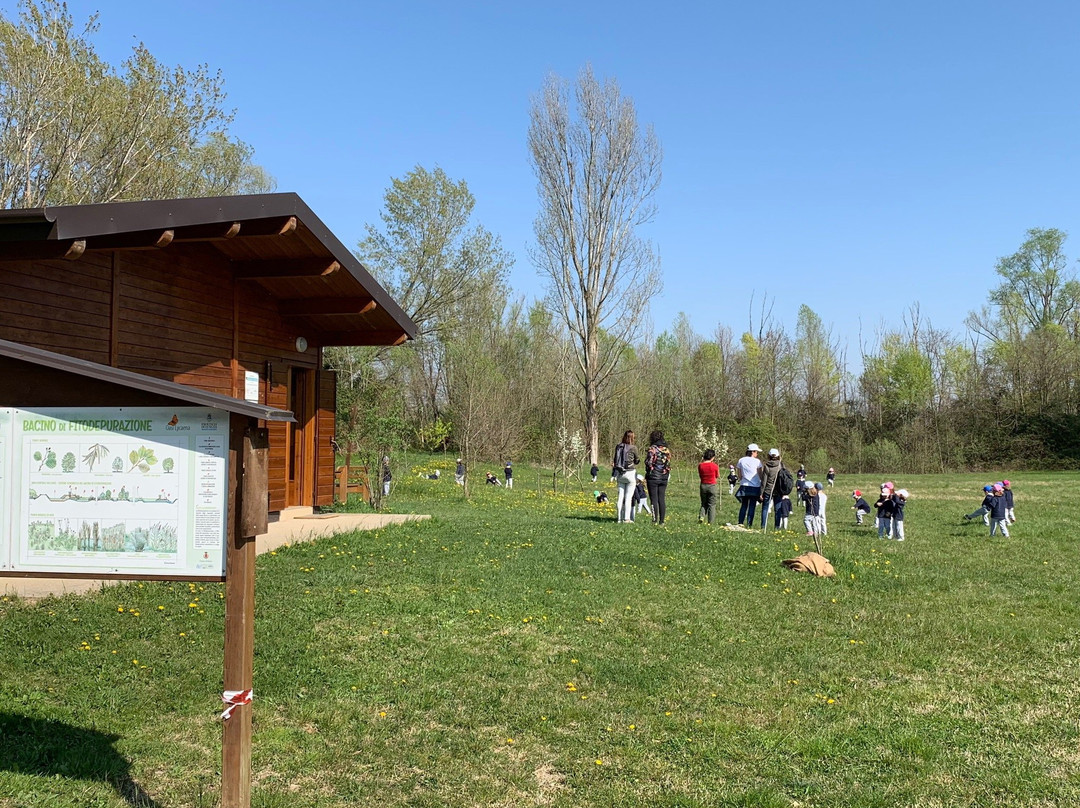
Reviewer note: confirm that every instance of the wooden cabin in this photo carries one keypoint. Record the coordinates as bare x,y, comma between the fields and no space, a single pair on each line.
233,295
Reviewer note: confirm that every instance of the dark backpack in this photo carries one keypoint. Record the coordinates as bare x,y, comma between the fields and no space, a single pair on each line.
785,483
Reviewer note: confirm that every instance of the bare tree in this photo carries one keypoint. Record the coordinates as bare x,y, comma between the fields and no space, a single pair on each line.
597,172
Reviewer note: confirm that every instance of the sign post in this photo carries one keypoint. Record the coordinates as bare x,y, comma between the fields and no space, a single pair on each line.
248,483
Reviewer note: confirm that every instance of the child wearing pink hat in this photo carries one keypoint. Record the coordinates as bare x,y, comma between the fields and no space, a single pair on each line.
1009,501
999,519
884,507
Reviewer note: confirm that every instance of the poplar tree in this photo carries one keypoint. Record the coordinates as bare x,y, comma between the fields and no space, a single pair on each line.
597,172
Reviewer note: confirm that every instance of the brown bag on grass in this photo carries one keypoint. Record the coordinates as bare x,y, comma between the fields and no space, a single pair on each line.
813,563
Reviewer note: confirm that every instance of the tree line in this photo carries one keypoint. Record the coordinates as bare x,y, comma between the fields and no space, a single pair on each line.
558,380
503,383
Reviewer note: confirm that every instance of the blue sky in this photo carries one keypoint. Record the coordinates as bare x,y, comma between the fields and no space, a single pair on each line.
858,157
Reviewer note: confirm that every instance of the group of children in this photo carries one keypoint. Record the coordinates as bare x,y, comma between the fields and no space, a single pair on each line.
491,479
639,499
890,511
996,509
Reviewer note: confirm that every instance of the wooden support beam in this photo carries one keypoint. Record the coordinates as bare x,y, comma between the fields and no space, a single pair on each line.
280,226
358,337
68,250
208,232
138,240
272,270
247,518
305,307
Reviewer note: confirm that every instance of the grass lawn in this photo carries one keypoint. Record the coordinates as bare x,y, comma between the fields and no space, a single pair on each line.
523,649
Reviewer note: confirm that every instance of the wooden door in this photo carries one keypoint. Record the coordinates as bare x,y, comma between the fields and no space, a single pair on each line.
300,461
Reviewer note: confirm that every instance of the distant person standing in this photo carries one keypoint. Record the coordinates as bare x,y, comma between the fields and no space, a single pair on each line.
595,470
708,472
732,479
386,476
830,478
459,472
508,471
657,472
749,469
624,468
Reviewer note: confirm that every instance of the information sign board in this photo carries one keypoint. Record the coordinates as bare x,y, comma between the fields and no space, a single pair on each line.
120,490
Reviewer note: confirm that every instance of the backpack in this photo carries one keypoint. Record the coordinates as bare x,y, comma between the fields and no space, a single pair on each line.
659,462
785,483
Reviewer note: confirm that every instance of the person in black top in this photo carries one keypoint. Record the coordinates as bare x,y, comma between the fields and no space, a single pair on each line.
509,472
884,507
899,500
386,476
861,507
1009,500
999,512
594,471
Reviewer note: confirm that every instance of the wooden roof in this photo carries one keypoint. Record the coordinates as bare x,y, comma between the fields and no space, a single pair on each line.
273,240
145,386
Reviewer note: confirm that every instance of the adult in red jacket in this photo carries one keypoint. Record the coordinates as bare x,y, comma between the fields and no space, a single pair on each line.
709,472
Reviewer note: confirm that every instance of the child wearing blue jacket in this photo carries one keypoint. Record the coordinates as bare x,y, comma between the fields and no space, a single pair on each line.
899,500
984,509
884,507
999,513
1009,500
860,507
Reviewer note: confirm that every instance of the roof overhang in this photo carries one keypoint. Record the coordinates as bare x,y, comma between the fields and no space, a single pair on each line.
274,241
144,385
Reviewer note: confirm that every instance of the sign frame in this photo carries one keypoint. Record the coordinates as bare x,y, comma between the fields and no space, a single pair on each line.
66,510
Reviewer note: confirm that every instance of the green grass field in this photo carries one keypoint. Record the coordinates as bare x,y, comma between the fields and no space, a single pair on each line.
523,649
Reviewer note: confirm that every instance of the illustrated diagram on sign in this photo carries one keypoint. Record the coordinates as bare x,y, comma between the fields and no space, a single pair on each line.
103,496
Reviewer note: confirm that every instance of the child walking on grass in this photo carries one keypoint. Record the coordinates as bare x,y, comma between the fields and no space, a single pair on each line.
984,509
782,512
860,507
999,512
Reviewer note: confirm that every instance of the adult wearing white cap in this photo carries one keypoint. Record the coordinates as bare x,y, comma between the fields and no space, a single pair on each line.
770,471
749,471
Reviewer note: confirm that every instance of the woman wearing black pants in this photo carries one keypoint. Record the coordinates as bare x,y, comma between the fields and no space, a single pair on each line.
657,471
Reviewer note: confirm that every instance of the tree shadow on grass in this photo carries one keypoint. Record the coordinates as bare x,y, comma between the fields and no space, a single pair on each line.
44,748
593,518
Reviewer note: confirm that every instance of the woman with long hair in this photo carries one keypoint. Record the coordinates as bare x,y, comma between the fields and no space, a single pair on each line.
657,472
624,466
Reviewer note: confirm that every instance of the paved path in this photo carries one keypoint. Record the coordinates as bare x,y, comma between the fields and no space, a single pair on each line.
289,528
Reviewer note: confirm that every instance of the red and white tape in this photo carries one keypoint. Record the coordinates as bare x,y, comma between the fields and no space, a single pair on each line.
234,698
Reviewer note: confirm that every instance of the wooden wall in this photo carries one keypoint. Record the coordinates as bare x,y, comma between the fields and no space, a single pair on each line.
175,314
326,425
